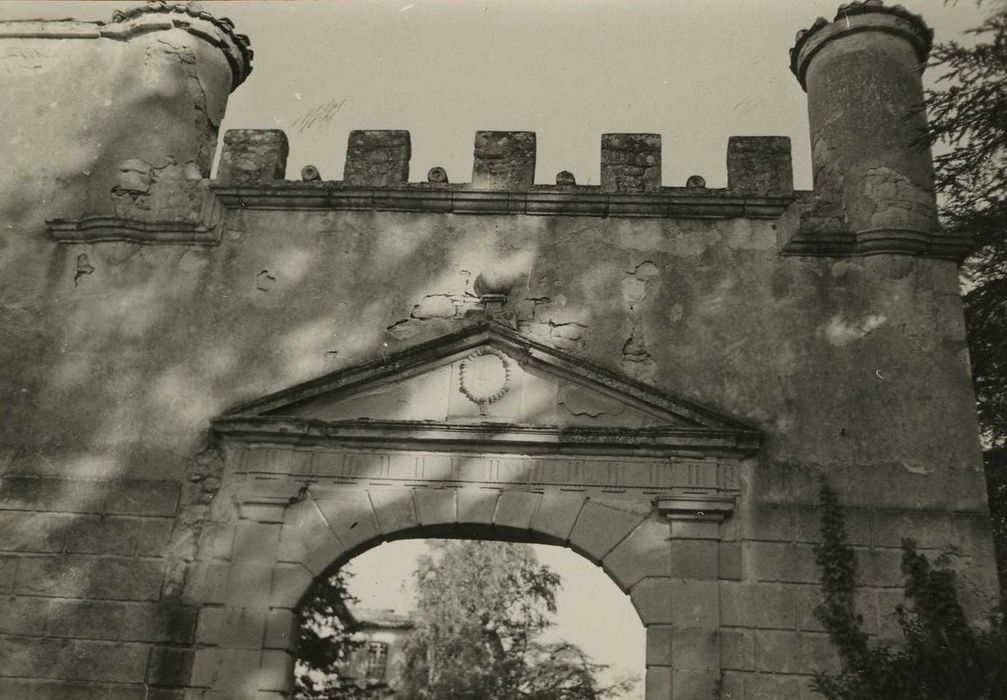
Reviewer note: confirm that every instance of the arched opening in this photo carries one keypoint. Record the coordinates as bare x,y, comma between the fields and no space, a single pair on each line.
635,481
591,638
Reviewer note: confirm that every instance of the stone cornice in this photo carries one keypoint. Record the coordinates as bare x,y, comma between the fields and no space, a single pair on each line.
844,244
203,227
824,232
485,437
671,203
854,17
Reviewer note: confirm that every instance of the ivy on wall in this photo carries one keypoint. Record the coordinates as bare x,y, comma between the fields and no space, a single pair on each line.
942,657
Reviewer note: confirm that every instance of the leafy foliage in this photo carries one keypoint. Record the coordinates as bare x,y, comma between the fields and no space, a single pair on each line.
942,658
996,488
325,626
482,607
968,116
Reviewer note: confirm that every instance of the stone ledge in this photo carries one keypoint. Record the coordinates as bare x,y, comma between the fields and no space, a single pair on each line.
670,203
842,244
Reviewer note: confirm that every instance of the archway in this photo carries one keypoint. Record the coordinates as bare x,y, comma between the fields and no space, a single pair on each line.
565,453
388,598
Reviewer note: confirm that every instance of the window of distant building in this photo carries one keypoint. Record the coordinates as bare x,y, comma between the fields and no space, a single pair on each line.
377,658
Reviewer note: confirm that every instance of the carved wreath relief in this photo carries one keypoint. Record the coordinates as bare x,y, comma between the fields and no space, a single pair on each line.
485,376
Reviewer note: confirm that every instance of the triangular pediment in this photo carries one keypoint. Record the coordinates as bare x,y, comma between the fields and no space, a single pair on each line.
487,383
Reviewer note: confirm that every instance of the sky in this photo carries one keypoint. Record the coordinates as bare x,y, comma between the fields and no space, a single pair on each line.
695,71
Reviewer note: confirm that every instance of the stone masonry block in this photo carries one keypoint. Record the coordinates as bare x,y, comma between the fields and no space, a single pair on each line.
695,559
794,652
516,509
22,688
603,524
169,666
972,531
658,683
226,670
253,157
695,604
504,160
8,572
808,525
377,158
756,605
263,512
155,533
34,532
35,657
807,598
694,683
730,565
290,582
104,535
233,628
59,495
65,576
695,529
275,671
771,561
931,530
159,623
759,165
659,645
880,567
105,661
249,585
435,506
394,510
477,506
24,615
631,162
151,498
207,582
84,619
558,513
765,686
652,600
306,538
737,650
350,515
767,523
645,553
256,542
695,649
126,579
281,629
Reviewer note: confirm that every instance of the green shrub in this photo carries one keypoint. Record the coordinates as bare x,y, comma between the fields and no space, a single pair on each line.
943,656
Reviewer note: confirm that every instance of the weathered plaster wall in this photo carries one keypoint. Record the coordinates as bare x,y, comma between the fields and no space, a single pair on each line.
94,112
115,356
855,368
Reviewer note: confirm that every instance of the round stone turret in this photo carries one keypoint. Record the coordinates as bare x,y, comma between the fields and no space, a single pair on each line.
872,165
125,105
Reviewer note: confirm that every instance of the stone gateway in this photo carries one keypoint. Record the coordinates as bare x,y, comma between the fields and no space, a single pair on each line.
215,390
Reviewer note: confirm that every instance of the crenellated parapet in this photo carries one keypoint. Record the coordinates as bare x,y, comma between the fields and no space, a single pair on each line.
252,175
872,169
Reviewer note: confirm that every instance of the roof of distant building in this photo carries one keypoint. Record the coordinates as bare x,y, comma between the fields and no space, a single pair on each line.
385,618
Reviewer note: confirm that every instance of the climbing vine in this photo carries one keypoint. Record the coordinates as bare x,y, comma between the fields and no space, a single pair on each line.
942,656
